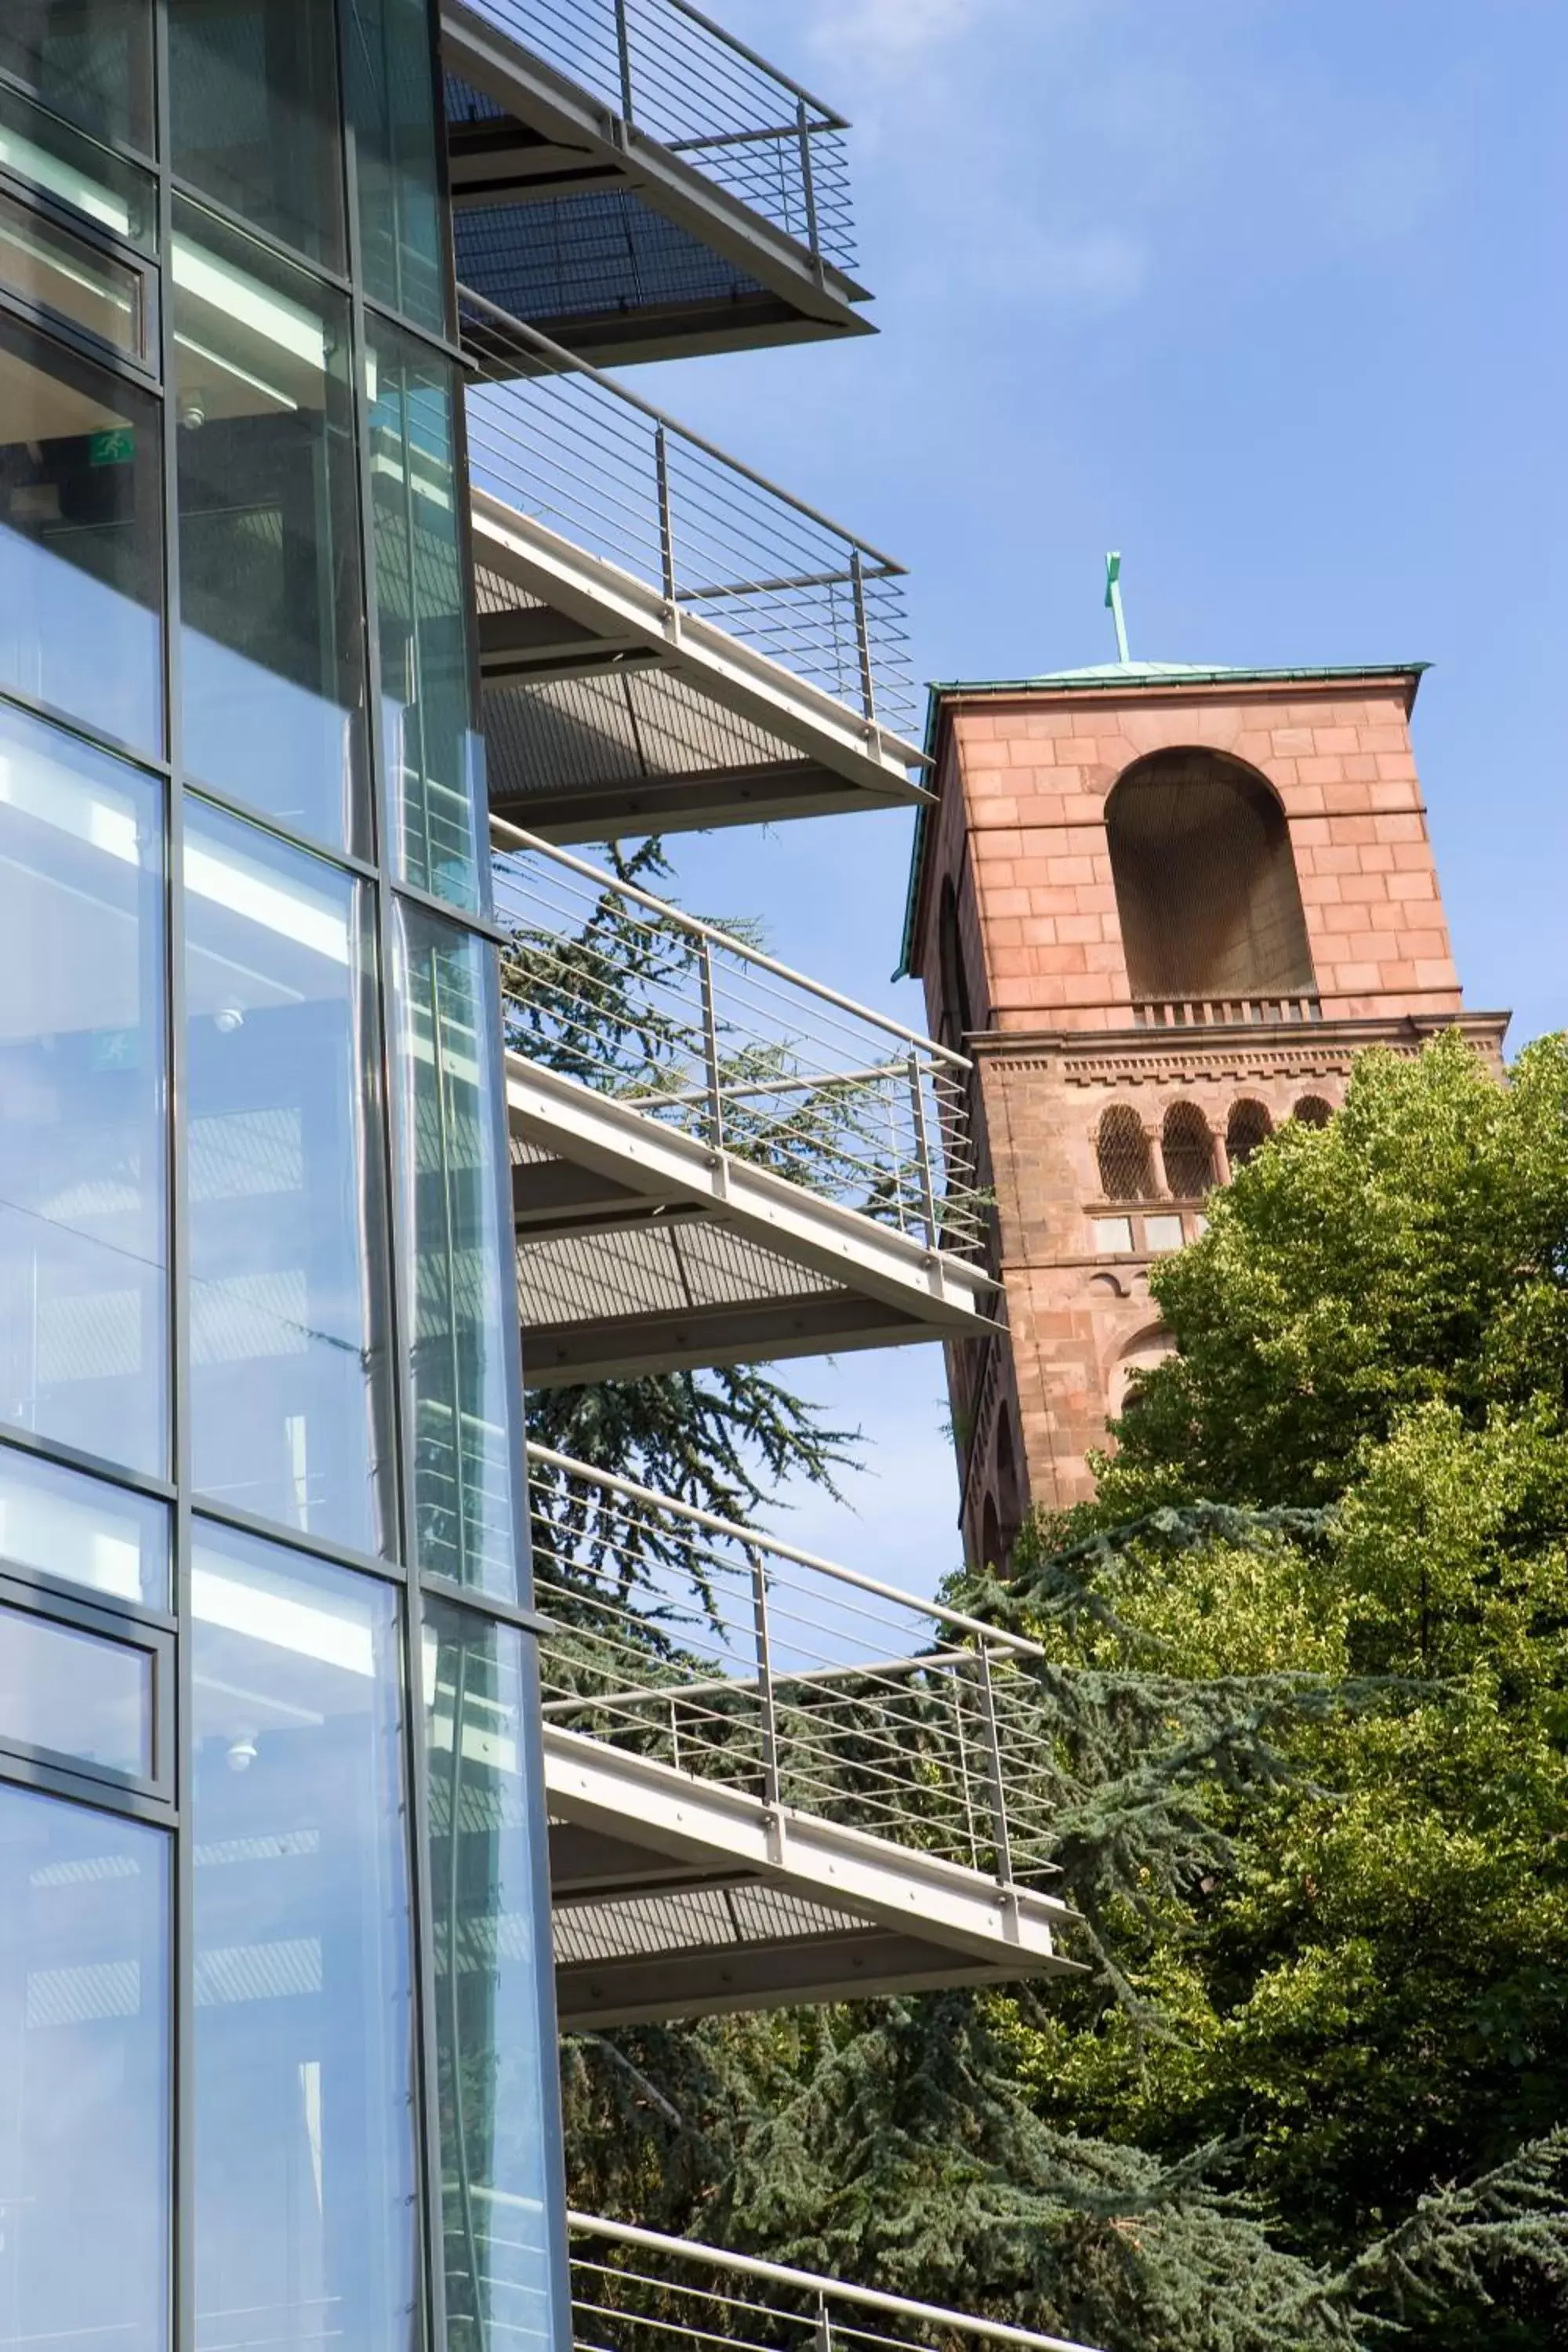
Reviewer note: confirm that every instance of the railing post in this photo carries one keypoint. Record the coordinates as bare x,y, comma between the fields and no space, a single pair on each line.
824,2326
922,1147
862,637
769,1729
624,54
808,185
711,1043
665,522
994,1773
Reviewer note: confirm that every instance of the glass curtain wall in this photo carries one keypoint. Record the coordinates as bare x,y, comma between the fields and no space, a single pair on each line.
276,2005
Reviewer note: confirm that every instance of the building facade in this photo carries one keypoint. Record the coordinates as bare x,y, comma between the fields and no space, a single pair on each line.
329,556
1164,908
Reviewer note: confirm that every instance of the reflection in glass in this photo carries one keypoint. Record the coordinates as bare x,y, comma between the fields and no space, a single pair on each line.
494,2011
305,2158
433,780
392,105
288,1367
84,2057
82,1177
77,280
115,193
253,101
82,1529
90,59
81,581
272,602
69,1691
460,1306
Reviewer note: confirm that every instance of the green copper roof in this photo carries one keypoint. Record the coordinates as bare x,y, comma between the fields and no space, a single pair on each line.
1104,674
1113,673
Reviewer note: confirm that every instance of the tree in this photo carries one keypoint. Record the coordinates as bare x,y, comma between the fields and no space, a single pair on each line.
611,1005
1301,1741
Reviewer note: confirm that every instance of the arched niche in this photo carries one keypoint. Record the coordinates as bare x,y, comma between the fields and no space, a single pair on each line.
957,1012
1205,881
1140,1354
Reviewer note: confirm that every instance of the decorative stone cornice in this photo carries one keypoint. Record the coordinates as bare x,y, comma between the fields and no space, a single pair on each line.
1120,1057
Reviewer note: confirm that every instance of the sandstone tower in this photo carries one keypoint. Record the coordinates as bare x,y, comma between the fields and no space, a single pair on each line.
1163,907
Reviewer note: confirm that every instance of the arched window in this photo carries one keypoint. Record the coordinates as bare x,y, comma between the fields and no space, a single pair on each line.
1140,1355
1312,1111
1246,1130
1009,1501
1126,1172
956,1009
1188,1148
1205,882
990,1535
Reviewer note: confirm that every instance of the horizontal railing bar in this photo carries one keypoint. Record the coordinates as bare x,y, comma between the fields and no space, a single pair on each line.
569,364
1018,1644
810,1084
772,133
831,119
783,1678
718,589
815,2282
514,836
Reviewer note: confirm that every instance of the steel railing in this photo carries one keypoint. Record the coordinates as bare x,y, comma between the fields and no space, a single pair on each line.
639,2291
560,442
667,70
610,986
739,1658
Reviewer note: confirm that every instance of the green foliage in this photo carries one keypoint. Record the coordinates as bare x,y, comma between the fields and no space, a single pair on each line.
1301,1744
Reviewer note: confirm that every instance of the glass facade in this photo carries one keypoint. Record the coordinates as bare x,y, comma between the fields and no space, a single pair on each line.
275,1985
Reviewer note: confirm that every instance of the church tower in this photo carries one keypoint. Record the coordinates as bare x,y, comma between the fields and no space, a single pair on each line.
1162,908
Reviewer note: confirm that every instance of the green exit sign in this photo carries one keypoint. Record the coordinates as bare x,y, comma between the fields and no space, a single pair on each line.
115,447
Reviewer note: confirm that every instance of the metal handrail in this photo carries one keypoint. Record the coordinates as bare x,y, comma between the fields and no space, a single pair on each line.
561,442
686,1025
814,2290
737,1657
669,73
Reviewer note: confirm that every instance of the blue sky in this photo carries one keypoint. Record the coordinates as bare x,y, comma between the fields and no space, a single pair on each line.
1267,296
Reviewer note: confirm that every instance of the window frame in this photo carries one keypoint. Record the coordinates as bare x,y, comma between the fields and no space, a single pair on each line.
56,1771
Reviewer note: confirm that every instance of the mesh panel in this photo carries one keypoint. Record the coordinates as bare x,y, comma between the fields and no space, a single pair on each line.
1125,1171
1205,882
1248,1127
585,255
1312,1111
1189,1152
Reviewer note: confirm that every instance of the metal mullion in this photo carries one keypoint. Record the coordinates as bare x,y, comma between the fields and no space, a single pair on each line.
182,1941
72,1457
433,2310
215,1512
214,796
155,763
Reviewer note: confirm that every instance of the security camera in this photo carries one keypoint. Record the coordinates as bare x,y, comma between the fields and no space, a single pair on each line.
241,1753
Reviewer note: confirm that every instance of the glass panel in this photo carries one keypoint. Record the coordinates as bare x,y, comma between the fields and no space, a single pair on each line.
273,635
392,105
85,2226
90,59
1163,1232
116,194
254,115
494,2006
82,1529
305,2175
61,273
1113,1233
83,1209
434,767
289,1416
74,1692
82,574
461,1306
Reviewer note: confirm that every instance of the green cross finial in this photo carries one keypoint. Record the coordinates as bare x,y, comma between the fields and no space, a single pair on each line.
1113,604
